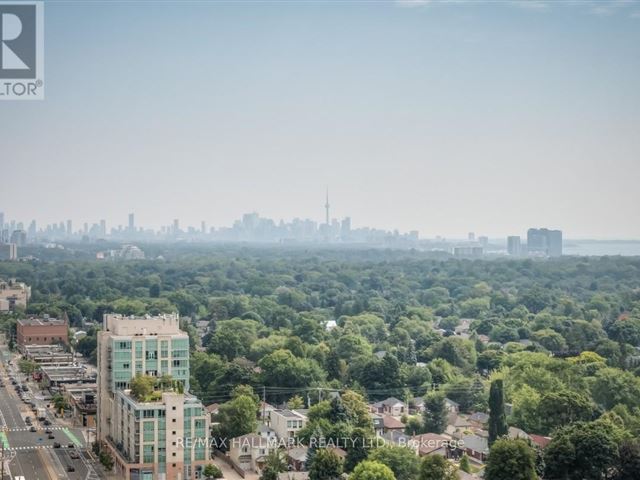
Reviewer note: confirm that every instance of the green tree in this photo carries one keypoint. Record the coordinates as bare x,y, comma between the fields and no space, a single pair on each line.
211,472
295,402
371,470
326,465
511,460
497,418
402,461
275,464
237,417
435,413
59,401
561,408
583,451
465,466
142,386
27,366
436,467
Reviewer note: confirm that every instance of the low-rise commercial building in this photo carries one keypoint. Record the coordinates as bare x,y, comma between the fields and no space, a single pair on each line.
13,294
42,331
82,402
47,354
55,377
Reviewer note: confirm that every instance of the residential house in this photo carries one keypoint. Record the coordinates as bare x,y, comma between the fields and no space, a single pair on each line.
286,423
297,459
264,413
385,423
452,407
540,441
479,419
476,446
457,423
431,444
390,406
213,410
249,452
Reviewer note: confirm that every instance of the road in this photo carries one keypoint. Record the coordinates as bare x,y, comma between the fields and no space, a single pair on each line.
33,454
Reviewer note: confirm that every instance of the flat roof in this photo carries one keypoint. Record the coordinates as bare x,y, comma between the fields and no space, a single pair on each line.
41,322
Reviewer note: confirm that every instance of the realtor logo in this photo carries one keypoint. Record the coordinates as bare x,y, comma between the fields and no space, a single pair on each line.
21,50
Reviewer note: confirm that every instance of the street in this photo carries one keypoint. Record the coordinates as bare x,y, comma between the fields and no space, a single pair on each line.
51,452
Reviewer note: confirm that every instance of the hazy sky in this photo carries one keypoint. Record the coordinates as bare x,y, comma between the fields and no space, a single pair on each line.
445,117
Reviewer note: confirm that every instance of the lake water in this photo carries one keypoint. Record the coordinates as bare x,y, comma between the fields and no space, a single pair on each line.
598,248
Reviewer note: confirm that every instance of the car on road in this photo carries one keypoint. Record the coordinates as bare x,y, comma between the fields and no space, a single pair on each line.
56,445
47,422
51,436
71,445
48,430
75,455
71,468
33,429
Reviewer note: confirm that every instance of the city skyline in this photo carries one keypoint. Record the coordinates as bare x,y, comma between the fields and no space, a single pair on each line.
131,227
442,117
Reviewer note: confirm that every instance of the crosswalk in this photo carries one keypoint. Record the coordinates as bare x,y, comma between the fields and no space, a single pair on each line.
26,429
29,447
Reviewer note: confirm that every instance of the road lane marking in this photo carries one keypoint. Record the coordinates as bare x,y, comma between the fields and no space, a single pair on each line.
71,436
4,440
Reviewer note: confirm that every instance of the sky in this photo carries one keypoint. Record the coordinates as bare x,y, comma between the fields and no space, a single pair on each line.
442,117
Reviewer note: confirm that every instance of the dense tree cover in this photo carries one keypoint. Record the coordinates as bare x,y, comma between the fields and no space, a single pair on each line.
591,450
402,461
326,465
371,470
511,460
562,334
436,467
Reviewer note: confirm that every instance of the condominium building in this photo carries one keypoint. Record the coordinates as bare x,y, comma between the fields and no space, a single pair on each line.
514,246
164,437
542,241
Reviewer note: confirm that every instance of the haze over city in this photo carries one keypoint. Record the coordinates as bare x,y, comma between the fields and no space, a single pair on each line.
440,117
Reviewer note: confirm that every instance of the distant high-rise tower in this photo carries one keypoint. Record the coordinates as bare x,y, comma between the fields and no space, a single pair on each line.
514,246
132,223
326,208
541,241
69,228
1,220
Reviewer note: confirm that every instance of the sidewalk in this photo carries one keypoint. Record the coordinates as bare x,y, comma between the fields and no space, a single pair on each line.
229,473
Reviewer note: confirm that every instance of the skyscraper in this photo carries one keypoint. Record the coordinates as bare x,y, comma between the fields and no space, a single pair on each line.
132,225
69,228
103,228
147,437
542,241
513,246
326,208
